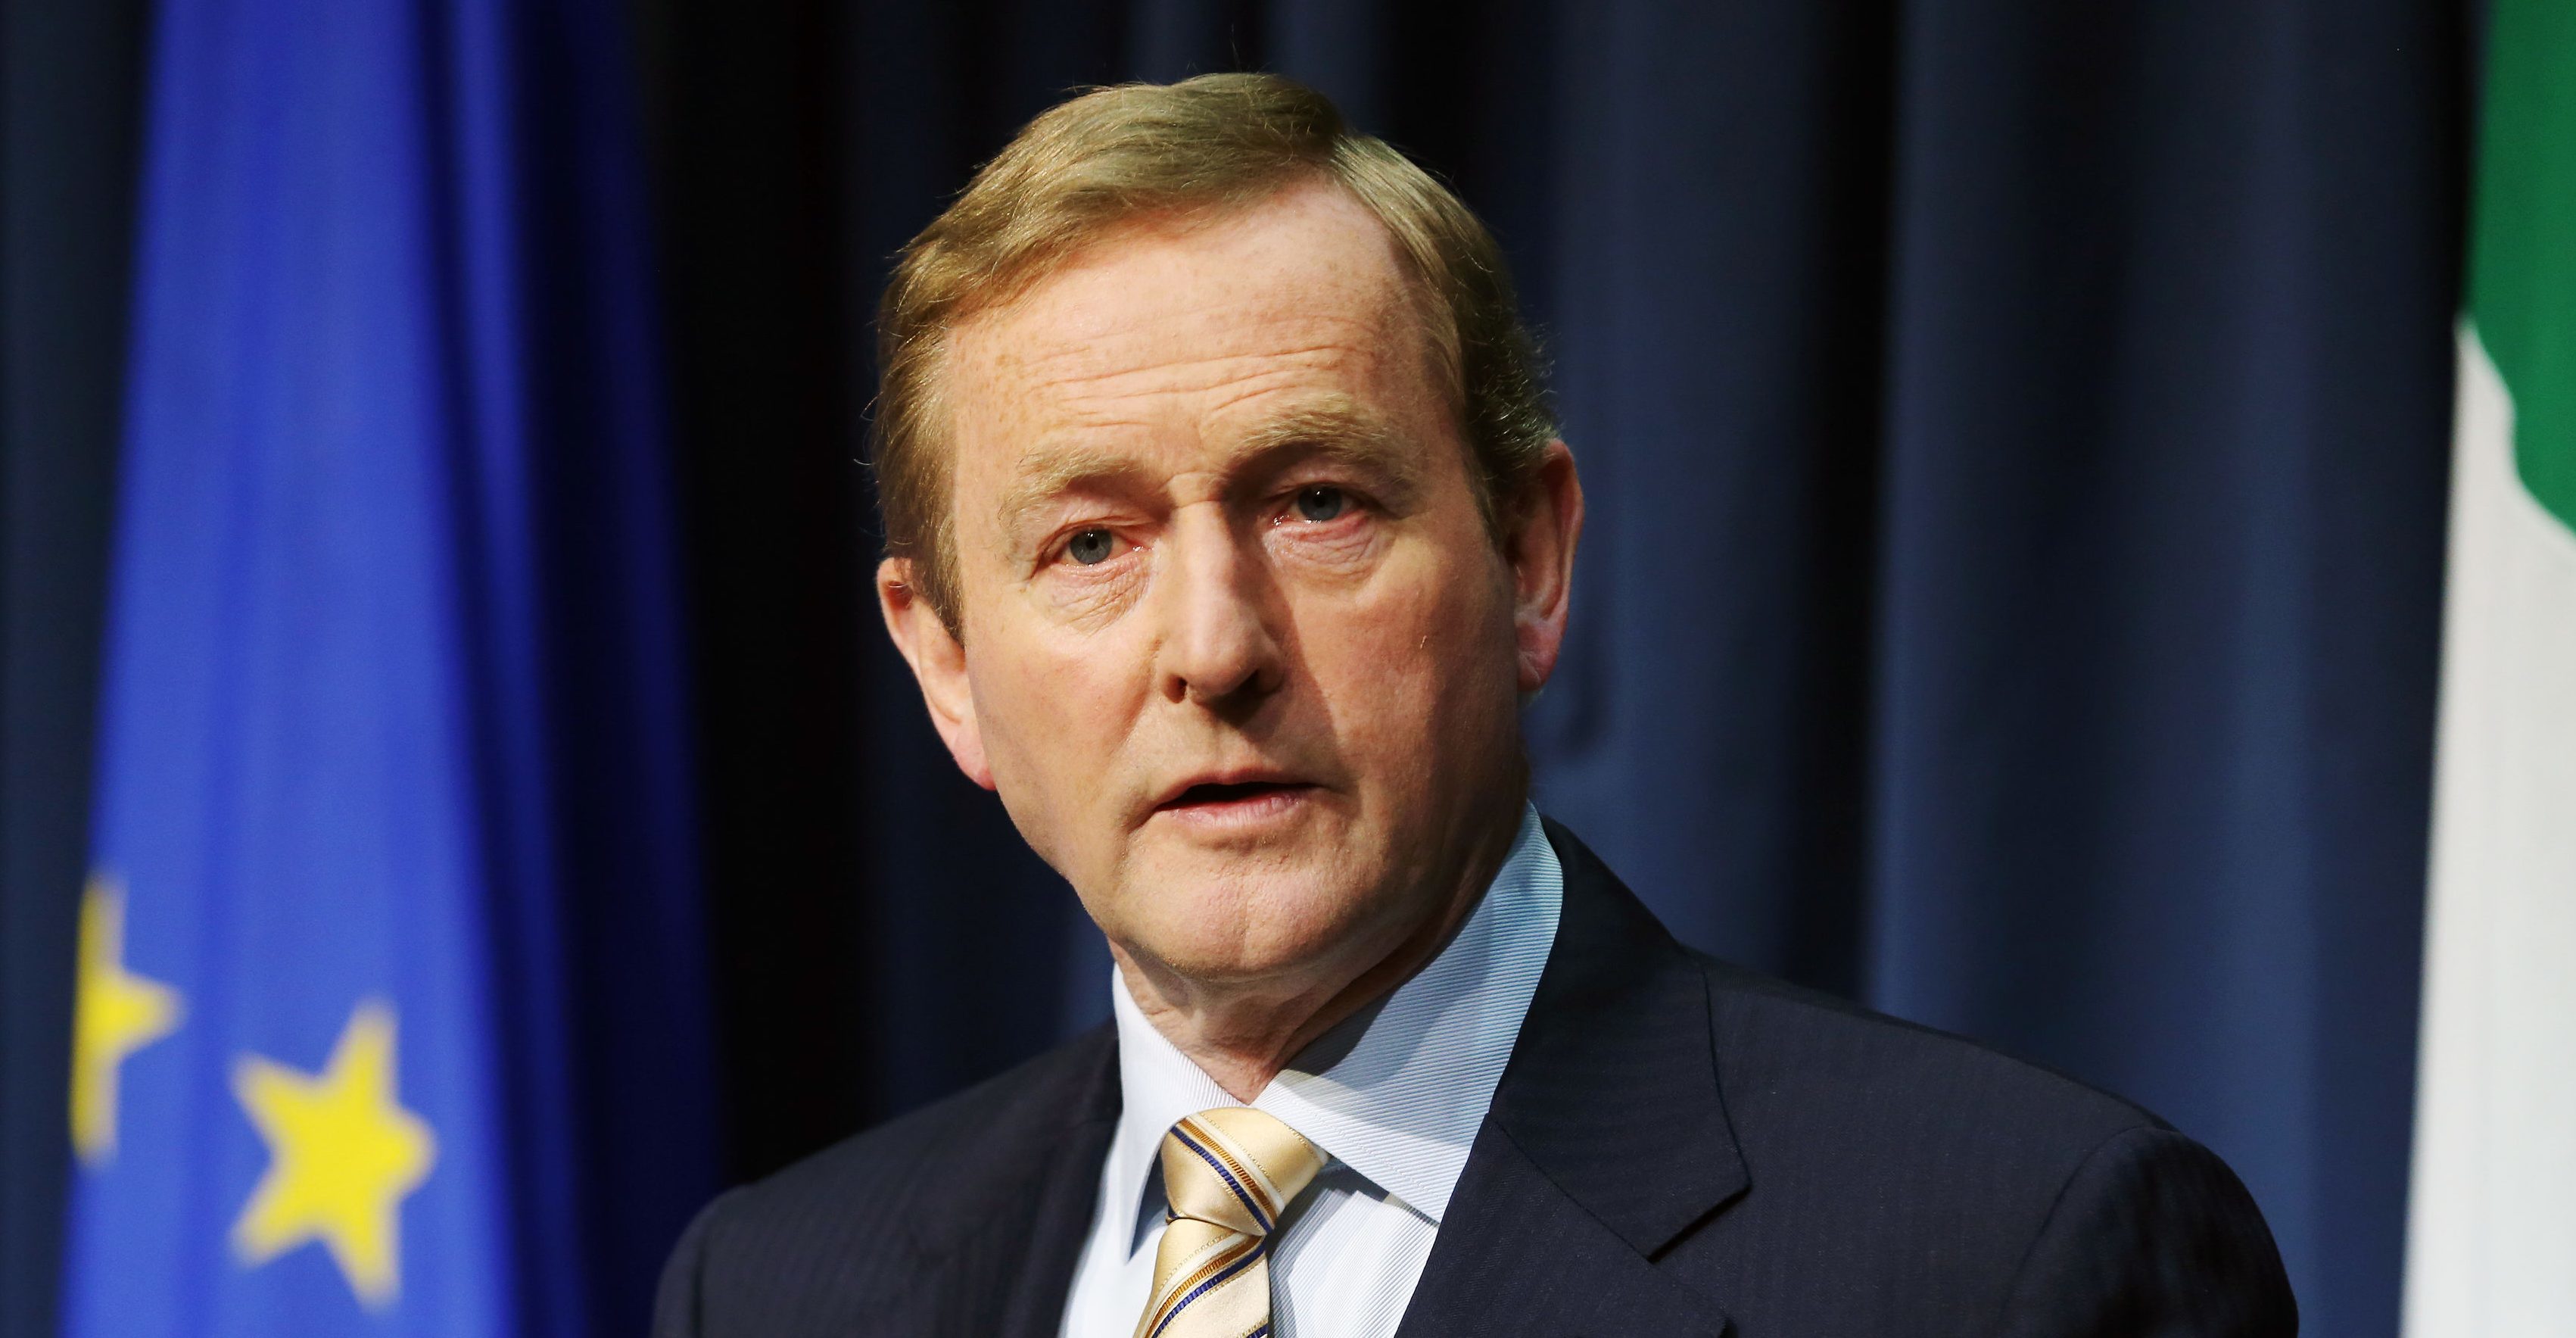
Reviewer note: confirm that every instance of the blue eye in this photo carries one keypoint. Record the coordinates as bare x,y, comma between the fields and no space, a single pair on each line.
1091,547
1321,504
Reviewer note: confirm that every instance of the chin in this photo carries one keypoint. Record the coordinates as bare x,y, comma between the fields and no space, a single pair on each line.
1215,922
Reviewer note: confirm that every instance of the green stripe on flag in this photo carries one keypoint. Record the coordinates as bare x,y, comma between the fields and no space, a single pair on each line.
2522,284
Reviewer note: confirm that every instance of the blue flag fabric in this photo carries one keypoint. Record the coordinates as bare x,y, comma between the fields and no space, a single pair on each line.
391,1012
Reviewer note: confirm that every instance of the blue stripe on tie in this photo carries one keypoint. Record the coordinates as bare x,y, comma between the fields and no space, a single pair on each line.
1259,1244
1222,1174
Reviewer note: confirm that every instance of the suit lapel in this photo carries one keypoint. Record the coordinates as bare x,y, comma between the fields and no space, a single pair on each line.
1063,1195
1517,1255
1000,1259
1607,1140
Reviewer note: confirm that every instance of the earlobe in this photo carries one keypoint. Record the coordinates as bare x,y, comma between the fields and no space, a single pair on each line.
938,663
1541,553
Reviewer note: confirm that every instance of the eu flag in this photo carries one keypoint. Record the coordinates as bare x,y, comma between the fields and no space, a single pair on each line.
391,1012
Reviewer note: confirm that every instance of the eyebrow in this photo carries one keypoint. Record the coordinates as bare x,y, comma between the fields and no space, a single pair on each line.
1334,427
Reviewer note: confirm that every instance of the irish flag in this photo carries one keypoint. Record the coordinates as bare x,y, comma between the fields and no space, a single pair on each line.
2491,1235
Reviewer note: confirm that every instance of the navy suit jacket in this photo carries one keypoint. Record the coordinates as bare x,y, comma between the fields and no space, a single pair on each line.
1678,1147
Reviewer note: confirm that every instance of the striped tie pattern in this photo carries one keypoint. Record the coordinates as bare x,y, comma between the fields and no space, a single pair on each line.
1227,1175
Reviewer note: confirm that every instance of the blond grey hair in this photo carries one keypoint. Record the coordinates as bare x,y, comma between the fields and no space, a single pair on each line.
1114,155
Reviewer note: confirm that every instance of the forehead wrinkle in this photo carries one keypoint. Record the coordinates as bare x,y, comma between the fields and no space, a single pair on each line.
1193,375
1047,469
1333,424
1223,398
1198,304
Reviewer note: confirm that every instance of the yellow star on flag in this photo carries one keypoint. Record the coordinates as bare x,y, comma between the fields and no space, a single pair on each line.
114,1014
343,1153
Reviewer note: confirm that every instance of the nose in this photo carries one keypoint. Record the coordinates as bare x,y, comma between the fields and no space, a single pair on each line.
1220,647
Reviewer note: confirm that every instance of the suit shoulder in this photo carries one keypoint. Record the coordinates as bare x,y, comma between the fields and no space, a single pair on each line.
930,1147
820,1225
1789,1054
2042,1198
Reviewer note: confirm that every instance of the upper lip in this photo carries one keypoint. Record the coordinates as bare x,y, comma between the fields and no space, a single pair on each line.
1254,775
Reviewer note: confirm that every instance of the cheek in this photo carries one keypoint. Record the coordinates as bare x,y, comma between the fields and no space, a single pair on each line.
1053,720
1416,659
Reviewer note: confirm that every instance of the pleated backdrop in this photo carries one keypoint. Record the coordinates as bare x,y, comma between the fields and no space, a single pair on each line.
2017,440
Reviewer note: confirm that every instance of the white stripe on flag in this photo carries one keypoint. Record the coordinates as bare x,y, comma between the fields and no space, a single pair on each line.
2491,1231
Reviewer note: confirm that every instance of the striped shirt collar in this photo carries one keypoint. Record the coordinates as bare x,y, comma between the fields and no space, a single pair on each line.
1397,1093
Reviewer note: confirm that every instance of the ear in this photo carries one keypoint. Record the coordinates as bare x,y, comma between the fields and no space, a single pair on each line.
1538,543
938,663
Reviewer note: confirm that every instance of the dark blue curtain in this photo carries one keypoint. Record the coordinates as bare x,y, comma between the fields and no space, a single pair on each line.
69,120
2017,438
2096,721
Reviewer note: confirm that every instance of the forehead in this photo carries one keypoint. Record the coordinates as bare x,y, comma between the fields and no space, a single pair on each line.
1178,332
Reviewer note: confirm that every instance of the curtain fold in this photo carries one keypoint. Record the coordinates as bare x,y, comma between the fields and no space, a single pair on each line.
69,120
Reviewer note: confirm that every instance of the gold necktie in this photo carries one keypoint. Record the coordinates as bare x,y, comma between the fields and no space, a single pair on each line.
1227,1175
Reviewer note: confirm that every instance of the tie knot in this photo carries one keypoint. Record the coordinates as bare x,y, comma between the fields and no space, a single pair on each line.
1236,1168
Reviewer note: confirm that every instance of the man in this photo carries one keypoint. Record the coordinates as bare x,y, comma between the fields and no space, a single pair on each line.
1226,533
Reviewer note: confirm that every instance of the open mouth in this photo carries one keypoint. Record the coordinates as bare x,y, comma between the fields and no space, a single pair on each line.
1235,797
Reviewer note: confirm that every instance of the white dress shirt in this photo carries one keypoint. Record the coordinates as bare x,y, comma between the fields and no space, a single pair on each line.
1393,1096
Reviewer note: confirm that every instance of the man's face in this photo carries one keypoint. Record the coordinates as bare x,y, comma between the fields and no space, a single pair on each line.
1240,654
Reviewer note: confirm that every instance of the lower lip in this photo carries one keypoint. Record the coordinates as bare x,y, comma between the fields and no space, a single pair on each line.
1246,811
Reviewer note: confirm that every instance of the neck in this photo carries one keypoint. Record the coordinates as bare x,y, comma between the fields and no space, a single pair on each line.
1242,1034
